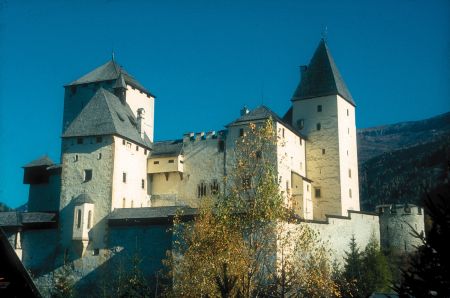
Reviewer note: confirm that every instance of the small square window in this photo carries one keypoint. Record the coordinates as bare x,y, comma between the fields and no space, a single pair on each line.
137,148
350,192
123,142
349,173
171,161
317,193
241,132
145,151
98,139
79,140
124,177
87,175
348,114
318,126
156,162
323,151
99,156
75,158
96,252
319,108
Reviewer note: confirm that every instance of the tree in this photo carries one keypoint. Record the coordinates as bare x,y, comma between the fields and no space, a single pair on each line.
244,243
429,272
63,283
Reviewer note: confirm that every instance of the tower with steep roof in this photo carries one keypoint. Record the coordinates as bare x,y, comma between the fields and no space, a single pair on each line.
324,110
105,144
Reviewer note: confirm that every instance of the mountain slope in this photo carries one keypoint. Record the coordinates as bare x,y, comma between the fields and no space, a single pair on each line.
399,163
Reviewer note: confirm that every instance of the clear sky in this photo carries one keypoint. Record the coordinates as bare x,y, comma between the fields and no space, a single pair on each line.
205,59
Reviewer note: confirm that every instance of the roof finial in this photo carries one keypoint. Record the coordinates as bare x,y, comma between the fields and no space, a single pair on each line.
325,33
112,54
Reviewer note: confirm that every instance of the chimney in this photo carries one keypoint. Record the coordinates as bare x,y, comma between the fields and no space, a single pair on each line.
120,89
303,69
244,111
140,121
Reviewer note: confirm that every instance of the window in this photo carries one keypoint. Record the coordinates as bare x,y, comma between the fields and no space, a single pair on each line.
318,126
79,140
319,108
348,130
300,123
156,162
99,156
89,219
201,190
142,183
214,187
124,202
349,192
241,132
171,161
87,175
78,218
137,148
349,173
221,144
282,132
96,252
307,187
317,193
145,151
99,139
75,158
347,113
124,177
123,142
323,151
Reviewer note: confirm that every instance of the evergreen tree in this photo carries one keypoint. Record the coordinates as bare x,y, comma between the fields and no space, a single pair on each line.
429,271
351,281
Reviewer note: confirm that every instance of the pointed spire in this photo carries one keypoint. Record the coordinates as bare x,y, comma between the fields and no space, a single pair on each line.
321,77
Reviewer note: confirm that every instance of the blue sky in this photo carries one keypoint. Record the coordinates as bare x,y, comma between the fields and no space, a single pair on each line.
205,59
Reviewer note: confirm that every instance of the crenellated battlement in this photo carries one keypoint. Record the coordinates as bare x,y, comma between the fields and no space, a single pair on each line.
202,136
399,210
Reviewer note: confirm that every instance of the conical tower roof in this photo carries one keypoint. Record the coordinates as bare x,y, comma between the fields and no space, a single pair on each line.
322,77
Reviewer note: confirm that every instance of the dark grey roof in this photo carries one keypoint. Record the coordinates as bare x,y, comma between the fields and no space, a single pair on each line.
167,148
106,115
262,113
82,199
38,217
322,77
288,116
10,219
15,218
120,82
107,72
150,212
41,161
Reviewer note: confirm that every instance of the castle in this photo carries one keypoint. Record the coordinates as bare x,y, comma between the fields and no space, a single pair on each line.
116,190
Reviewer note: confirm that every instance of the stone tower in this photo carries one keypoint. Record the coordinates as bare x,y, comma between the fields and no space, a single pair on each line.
105,144
324,111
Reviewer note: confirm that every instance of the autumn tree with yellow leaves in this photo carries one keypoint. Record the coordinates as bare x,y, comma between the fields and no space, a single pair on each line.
246,243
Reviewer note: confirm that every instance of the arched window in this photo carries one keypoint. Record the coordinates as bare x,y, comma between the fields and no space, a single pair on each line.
78,219
89,219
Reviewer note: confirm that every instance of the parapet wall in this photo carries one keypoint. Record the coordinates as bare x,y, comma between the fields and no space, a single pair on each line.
337,231
397,224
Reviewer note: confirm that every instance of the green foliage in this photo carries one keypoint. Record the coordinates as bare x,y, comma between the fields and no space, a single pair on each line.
366,272
429,271
63,283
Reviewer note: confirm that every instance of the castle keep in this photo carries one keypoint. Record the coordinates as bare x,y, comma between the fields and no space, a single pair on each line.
116,190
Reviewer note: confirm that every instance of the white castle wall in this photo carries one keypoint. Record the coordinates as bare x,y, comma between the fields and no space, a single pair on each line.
130,159
136,99
348,156
202,163
338,231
